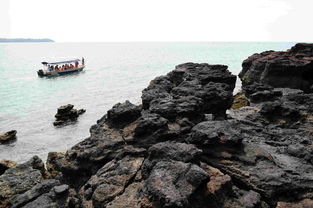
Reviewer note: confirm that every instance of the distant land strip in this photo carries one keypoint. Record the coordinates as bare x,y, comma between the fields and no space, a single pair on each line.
10,40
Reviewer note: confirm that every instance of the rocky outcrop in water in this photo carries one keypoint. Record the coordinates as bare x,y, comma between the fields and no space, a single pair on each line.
8,137
180,149
66,113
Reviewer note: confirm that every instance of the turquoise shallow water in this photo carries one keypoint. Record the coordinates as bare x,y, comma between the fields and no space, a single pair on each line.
115,72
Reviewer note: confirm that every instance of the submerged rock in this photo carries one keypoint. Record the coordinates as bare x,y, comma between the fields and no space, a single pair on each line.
66,113
8,137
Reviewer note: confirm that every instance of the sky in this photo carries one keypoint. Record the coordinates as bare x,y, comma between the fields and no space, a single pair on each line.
157,20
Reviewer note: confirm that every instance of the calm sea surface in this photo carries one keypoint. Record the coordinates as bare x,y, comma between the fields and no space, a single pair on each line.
115,72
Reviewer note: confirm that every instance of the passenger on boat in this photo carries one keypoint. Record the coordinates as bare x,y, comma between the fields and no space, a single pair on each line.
76,64
71,66
83,61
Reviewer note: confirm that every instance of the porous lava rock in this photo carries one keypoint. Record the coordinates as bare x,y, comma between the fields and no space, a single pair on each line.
291,68
67,113
180,149
190,91
8,137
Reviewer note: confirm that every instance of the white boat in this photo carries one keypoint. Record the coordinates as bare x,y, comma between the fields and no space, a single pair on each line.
59,68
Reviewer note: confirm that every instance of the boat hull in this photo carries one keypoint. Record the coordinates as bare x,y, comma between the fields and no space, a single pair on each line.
42,73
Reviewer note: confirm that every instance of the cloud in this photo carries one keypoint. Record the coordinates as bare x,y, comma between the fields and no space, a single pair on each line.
295,24
4,18
145,20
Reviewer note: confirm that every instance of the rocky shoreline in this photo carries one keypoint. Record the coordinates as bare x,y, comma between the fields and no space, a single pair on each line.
183,147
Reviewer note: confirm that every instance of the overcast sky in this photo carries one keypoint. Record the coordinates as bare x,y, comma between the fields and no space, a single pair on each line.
157,20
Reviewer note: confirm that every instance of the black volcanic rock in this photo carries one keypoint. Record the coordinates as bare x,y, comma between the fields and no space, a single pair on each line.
191,90
65,109
291,69
8,137
180,149
149,123
20,178
302,49
66,113
33,193
171,108
255,87
127,131
216,132
171,183
206,73
264,96
110,181
275,111
47,193
167,151
122,114
86,157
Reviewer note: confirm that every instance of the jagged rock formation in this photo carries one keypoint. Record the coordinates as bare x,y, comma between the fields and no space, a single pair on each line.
170,152
25,185
190,91
292,68
66,113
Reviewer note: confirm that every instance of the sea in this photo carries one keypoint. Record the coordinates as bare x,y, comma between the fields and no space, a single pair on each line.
114,72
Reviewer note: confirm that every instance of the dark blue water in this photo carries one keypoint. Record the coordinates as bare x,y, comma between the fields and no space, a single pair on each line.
115,72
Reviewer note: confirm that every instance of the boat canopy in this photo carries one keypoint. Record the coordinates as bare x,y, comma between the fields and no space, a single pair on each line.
60,62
